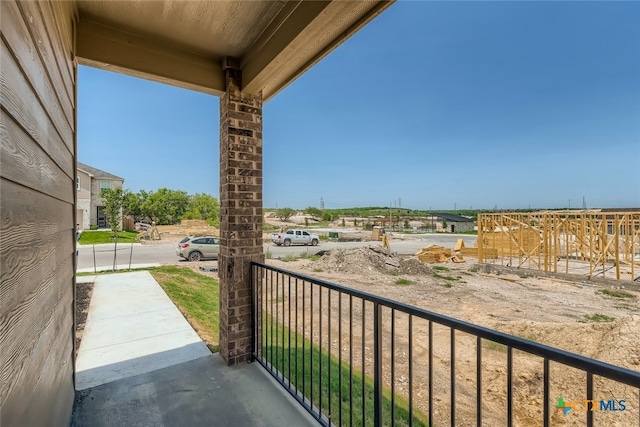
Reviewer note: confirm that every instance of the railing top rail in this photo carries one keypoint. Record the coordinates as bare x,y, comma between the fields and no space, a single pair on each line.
617,373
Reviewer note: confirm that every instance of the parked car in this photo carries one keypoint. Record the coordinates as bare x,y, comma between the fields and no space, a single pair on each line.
196,248
295,237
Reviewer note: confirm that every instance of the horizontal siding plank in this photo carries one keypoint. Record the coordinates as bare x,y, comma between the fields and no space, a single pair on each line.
62,14
38,340
61,398
29,220
14,28
19,98
53,146
22,324
22,104
22,160
48,48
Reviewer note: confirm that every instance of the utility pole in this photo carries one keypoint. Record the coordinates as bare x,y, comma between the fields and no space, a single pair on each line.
321,204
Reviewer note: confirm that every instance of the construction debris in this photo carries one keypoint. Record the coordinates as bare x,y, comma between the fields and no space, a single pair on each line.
435,253
365,260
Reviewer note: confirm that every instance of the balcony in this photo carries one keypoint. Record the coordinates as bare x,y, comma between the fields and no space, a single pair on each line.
339,352
330,355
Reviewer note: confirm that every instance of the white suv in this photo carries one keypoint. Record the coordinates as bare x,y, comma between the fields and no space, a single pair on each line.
196,248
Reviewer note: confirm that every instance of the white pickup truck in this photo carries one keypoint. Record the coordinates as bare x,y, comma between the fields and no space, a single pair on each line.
295,237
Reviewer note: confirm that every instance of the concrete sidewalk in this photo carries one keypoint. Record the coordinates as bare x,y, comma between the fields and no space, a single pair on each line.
141,364
132,328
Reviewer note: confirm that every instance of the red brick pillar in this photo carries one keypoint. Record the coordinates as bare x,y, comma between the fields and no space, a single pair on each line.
241,214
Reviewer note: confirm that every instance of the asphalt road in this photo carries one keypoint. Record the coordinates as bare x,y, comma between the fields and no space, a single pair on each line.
101,256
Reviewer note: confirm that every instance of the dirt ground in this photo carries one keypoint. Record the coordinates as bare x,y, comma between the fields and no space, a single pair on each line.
83,299
572,316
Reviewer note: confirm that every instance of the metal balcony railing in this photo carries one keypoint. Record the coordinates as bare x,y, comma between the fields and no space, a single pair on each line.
353,359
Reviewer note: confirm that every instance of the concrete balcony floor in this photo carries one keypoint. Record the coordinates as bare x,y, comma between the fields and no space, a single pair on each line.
141,364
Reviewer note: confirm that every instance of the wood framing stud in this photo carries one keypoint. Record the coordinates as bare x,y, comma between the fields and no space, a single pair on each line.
595,244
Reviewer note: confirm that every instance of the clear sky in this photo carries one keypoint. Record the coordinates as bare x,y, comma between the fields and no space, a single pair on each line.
433,105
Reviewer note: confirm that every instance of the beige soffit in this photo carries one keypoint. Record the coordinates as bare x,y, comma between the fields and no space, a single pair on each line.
189,43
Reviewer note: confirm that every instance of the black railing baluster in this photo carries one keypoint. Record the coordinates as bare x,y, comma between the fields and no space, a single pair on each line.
509,386
340,357
377,365
411,371
453,377
590,399
254,285
393,364
304,338
311,379
266,320
329,354
271,320
289,333
283,366
478,381
364,394
545,392
296,338
320,350
350,361
430,373
277,320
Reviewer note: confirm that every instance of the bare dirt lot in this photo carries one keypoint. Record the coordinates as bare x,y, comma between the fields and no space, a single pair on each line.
583,318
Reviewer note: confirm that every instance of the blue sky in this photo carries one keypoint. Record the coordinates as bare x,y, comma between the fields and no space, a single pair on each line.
436,104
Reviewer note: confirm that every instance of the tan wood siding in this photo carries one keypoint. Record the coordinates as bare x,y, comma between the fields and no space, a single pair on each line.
37,190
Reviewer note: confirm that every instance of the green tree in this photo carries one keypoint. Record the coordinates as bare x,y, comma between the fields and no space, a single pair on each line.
285,213
444,224
133,203
314,212
166,206
113,199
203,206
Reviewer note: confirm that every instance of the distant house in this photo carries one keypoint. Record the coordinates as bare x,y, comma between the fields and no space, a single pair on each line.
453,223
89,184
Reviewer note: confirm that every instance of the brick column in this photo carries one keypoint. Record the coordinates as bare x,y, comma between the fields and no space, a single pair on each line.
241,214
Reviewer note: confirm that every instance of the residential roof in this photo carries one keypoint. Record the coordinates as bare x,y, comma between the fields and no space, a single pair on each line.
97,173
452,217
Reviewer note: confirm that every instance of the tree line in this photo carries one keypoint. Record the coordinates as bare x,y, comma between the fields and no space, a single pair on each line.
164,206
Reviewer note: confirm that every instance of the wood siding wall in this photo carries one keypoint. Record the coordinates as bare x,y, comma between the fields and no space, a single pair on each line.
37,190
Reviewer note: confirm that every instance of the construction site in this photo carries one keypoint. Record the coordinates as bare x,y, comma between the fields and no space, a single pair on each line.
592,244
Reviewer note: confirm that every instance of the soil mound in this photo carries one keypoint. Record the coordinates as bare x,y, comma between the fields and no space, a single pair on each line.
368,259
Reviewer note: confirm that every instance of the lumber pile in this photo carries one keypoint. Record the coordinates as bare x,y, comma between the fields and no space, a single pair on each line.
488,253
435,253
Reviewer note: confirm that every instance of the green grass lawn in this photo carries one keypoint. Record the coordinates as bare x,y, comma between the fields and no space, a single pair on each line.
321,377
97,237
197,298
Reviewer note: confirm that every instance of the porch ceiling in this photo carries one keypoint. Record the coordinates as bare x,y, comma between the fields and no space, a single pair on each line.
189,43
